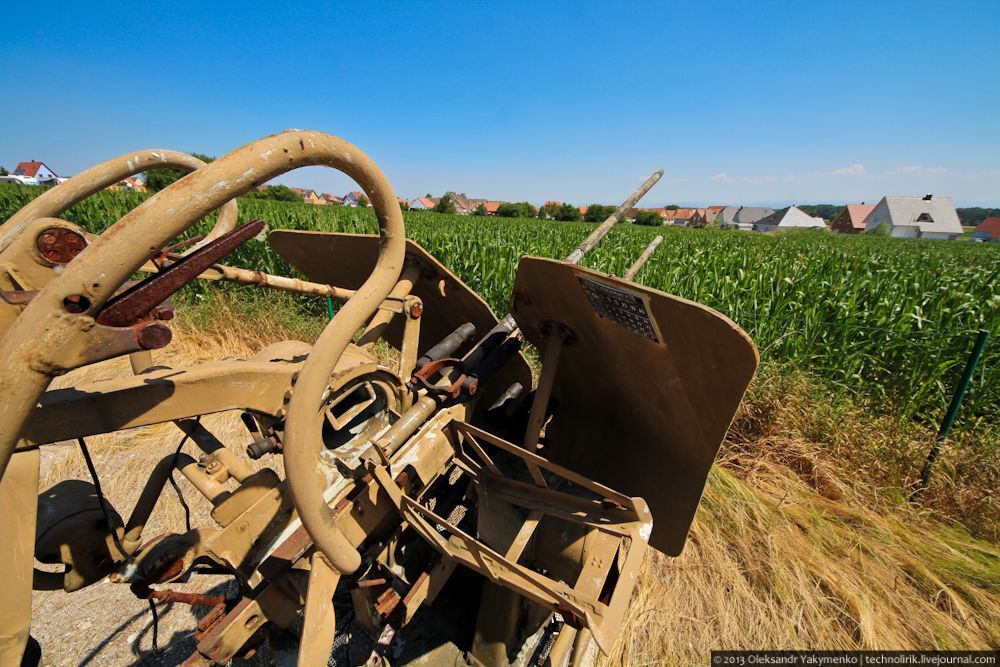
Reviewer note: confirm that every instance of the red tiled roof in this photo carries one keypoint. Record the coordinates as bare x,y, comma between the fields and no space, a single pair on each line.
678,214
492,206
991,226
857,213
27,168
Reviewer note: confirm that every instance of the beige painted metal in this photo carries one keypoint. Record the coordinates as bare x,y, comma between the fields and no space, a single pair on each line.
320,622
676,396
18,498
59,199
643,258
291,541
32,350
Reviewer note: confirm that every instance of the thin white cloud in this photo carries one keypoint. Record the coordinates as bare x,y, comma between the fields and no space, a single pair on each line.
854,170
759,179
916,169
721,177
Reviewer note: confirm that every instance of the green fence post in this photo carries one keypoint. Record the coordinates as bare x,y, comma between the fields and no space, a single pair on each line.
952,413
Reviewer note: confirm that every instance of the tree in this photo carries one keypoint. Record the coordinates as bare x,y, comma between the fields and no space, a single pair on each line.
648,218
548,210
3,170
363,201
157,179
480,210
671,207
445,205
598,213
404,206
275,193
826,211
567,213
517,210
970,217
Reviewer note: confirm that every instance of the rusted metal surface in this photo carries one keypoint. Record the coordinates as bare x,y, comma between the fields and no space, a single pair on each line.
134,303
59,245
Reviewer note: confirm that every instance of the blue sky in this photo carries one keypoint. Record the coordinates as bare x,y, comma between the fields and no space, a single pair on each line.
746,102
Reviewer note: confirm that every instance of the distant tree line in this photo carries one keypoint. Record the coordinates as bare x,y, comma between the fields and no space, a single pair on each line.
971,217
275,193
157,179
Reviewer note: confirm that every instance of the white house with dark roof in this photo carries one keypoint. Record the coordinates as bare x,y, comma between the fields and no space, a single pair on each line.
788,218
926,217
742,217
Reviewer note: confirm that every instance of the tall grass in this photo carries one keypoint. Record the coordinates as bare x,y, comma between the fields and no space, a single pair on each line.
887,320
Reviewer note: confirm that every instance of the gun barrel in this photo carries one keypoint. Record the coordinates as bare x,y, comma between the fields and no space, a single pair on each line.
612,220
643,258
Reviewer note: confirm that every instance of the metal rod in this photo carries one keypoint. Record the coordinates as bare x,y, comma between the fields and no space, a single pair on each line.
605,227
952,413
550,364
643,258
382,317
598,234
260,279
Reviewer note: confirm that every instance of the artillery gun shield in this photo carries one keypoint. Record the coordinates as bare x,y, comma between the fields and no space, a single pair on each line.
448,302
646,387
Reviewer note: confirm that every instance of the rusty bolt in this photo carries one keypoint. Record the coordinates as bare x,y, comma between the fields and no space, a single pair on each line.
59,245
163,313
416,310
154,336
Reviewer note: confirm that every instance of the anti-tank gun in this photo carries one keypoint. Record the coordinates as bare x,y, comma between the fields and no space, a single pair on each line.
443,474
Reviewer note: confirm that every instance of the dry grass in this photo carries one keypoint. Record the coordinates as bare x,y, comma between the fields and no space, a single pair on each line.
802,539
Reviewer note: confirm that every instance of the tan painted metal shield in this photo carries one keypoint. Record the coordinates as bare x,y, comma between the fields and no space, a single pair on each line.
346,260
645,392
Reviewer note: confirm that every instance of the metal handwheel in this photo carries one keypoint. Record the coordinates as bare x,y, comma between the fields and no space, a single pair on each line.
48,336
53,203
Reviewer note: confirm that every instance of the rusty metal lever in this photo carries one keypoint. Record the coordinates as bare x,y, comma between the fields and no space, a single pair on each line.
136,302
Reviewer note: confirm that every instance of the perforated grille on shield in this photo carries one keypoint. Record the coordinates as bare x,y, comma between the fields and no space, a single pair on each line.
626,309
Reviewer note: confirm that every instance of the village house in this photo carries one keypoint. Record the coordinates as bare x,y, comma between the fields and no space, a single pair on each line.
461,201
310,196
492,207
130,184
711,213
851,219
38,171
680,216
788,218
926,217
423,203
742,217
354,199
988,230
332,199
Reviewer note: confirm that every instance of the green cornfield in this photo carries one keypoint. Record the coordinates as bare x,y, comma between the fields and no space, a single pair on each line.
887,321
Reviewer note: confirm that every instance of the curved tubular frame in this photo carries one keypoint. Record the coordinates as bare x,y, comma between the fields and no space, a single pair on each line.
56,201
31,351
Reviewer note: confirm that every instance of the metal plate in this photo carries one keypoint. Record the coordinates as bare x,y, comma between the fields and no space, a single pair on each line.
643,417
624,307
